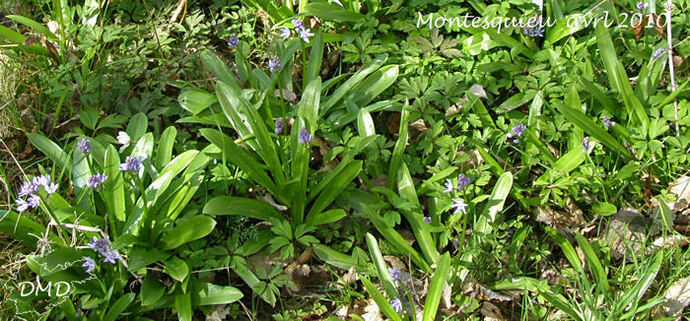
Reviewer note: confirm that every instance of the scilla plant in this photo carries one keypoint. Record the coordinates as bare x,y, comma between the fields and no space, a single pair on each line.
275,151
119,239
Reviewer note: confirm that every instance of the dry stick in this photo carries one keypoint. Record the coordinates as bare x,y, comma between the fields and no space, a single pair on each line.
671,68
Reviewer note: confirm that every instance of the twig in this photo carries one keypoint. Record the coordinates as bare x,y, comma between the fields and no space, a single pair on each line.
671,68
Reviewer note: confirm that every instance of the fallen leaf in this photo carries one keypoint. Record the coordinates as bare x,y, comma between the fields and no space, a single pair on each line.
478,91
681,189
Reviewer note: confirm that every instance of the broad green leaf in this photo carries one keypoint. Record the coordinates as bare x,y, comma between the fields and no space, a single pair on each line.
217,67
381,266
187,231
352,82
604,209
49,148
165,147
380,300
365,124
333,257
588,126
309,105
567,249
183,306
374,85
113,189
566,27
137,126
336,187
433,298
311,73
33,25
407,191
593,263
195,100
332,12
20,228
119,306
399,149
211,294
11,35
176,268
240,206
151,290
327,217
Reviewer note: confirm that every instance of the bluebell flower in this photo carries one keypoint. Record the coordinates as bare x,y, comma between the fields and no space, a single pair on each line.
84,145
608,122
22,205
89,264
459,205
34,201
102,246
42,180
657,53
396,305
304,33
95,181
449,186
131,164
463,181
427,219
285,33
280,124
233,41
111,256
28,188
298,23
304,136
50,188
516,133
395,274
274,64
642,6
587,146
535,29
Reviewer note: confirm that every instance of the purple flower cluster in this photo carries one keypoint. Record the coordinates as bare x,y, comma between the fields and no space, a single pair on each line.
274,64
516,133
301,30
657,53
396,305
131,164
89,264
102,246
280,124
233,41
285,33
608,122
463,181
642,6
427,219
95,181
449,186
535,29
459,205
28,192
587,145
84,145
304,136
395,274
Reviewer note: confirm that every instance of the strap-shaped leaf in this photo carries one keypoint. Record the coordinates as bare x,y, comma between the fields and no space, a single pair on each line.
187,231
433,298
230,205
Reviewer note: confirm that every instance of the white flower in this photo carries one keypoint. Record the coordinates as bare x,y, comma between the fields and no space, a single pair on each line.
123,139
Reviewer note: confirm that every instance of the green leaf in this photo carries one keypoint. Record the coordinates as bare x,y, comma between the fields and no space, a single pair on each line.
588,126
567,248
365,124
165,147
327,217
217,67
399,149
33,25
333,257
137,126
604,209
119,306
240,206
352,82
11,35
151,290
593,263
374,85
308,108
433,298
380,300
381,266
311,73
176,268
195,100
332,12
327,196
187,231
183,306
20,228
211,294
113,189
49,148
561,29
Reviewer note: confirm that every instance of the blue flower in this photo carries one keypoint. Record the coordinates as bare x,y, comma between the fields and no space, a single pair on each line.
50,188
233,41
516,133
395,274
427,219
657,53
608,122
304,136
89,264
587,146
534,29
449,186
298,23
84,145
285,33
396,305
102,246
280,124
34,201
274,64
463,181
111,256
95,181
642,6
28,188
131,164
459,205
22,205
42,180
304,33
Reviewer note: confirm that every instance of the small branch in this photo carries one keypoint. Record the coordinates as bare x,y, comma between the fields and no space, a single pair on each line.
671,68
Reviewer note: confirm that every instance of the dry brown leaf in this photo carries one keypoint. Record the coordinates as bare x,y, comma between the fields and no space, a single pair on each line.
491,312
681,189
